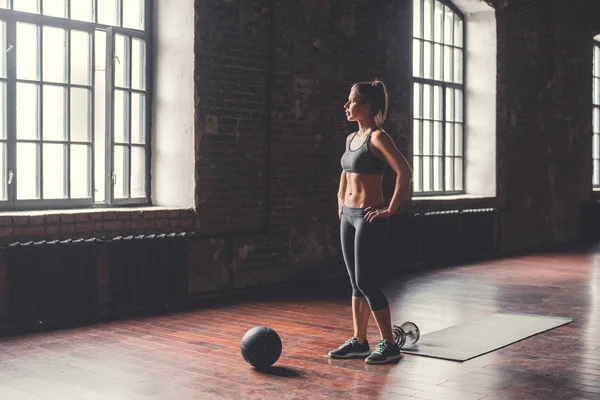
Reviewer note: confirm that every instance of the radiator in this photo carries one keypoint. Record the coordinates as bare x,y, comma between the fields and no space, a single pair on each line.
442,236
589,215
58,281
148,273
51,281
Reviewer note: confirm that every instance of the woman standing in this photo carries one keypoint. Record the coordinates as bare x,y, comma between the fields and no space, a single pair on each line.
363,217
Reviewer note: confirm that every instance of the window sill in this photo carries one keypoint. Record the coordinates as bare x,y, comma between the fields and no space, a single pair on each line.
98,210
447,203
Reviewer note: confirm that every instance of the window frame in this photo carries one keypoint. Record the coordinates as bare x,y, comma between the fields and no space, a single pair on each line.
595,110
443,85
11,18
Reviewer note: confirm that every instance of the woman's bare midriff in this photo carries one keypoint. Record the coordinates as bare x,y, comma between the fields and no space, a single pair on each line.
363,190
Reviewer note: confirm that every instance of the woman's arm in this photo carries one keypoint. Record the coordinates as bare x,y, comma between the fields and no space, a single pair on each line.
341,192
384,144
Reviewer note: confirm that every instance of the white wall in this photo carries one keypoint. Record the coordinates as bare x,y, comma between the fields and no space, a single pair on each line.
173,168
480,87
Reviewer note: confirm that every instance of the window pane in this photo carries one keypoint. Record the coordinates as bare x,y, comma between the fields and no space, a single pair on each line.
427,61
28,111
3,47
55,55
27,51
4,4
417,109
81,115
458,32
427,174
458,174
138,171
437,103
438,139
138,118
28,171
458,66
417,57
108,12
437,62
417,138
596,124
3,173
121,171
449,173
82,10
417,185
100,117
121,131
595,147
449,139
133,14
458,139
55,113
427,102
438,19
427,17
458,105
597,60
448,62
427,138
81,58
81,173
448,25
3,119
417,18
449,104
31,6
121,61
138,64
54,177
437,173
55,8
597,91
596,177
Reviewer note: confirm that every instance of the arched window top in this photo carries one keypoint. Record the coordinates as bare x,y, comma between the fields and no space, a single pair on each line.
438,21
597,37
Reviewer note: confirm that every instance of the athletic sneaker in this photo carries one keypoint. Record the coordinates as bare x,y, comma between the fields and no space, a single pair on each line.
351,348
384,352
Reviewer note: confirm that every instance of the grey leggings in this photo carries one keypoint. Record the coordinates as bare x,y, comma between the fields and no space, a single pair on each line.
362,243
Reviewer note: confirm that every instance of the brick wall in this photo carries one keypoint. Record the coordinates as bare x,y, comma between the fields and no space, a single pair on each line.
271,80
545,91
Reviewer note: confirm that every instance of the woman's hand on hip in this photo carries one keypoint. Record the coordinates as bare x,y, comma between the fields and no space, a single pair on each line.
372,213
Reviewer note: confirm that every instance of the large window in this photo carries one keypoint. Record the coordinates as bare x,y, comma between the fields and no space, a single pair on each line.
74,103
438,94
596,113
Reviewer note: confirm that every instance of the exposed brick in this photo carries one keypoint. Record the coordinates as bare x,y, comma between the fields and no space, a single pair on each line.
19,220
85,227
67,218
82,217
29,231
6,231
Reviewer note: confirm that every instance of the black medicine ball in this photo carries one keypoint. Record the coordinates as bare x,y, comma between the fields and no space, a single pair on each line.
261,347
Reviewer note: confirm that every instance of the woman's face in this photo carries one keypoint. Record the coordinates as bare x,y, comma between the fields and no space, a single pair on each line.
356,109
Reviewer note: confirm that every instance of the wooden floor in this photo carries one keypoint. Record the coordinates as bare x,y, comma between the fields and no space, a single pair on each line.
195,355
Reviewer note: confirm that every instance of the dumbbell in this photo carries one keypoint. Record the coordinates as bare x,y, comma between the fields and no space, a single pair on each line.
407,332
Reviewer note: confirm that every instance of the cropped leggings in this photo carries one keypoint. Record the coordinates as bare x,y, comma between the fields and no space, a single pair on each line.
362,243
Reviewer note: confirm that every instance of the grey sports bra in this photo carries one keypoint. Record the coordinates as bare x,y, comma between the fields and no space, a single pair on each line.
361,160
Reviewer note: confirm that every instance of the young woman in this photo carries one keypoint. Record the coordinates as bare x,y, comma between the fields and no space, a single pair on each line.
363,217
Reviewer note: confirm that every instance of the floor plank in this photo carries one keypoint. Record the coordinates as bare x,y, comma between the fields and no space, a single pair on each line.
196,355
